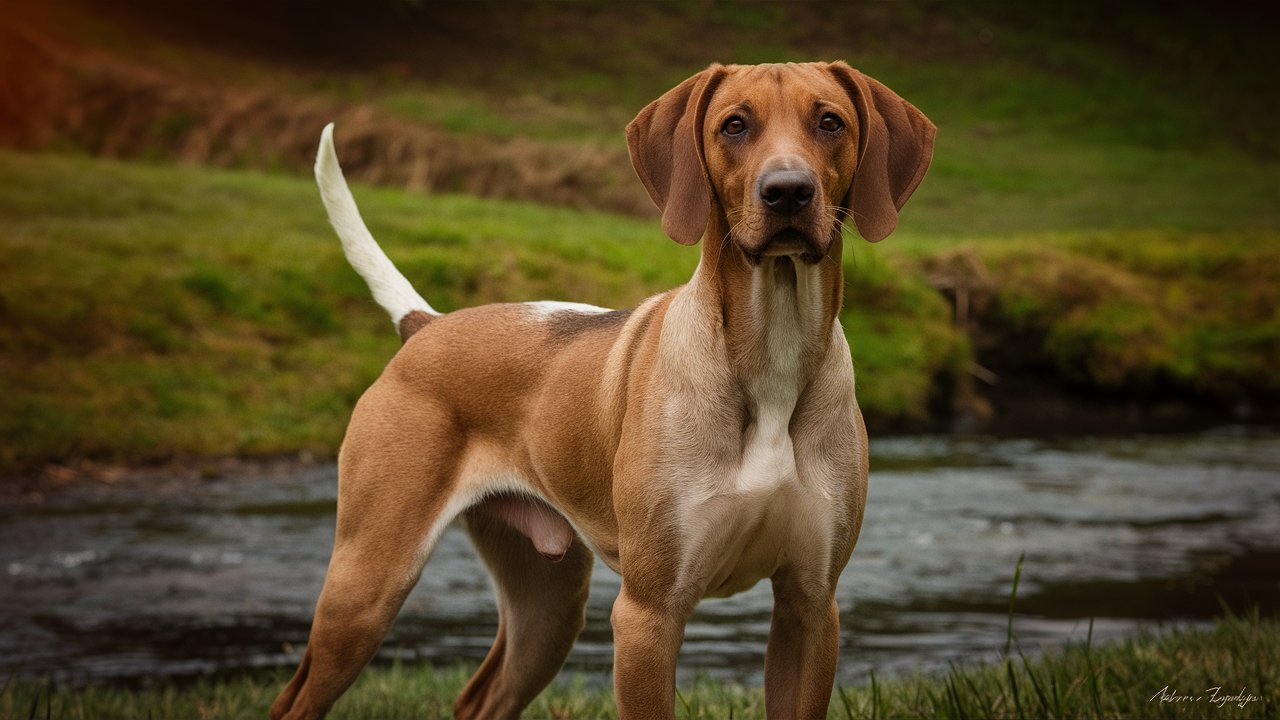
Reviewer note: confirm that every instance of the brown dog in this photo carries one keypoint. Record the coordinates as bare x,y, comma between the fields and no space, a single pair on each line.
702,442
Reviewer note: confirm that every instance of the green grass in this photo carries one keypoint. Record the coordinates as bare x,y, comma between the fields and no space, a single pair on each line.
1131,236
1061,120
154,310
1084,680
1141,311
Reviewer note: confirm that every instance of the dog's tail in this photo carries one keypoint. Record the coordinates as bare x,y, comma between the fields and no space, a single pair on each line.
390,289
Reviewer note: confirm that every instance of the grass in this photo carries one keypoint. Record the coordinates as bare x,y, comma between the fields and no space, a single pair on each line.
1126,679
154,310
1086,681
1141,313
1130,238
1106,127
151,310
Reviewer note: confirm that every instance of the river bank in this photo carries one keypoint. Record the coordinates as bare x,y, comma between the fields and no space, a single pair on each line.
1062,268
154,312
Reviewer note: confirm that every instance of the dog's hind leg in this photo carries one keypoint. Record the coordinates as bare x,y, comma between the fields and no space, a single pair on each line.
541,611
396,495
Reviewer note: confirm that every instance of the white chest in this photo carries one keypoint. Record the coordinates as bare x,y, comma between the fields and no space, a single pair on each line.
768,456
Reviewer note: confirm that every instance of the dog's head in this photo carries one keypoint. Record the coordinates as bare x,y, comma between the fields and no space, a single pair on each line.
784,152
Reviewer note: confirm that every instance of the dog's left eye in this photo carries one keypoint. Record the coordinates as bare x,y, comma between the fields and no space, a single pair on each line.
831,123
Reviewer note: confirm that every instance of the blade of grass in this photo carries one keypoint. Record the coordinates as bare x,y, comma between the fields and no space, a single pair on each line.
1053,686
1035,685
957,703
845,702
1013,596
986,704
1013,688
1093,673
875,697
688,710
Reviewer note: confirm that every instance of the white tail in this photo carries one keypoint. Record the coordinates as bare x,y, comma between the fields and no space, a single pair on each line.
390,288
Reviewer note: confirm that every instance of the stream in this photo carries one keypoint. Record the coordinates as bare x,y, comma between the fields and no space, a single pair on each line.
144,581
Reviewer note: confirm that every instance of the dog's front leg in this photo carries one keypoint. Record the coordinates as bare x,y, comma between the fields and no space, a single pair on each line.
804,638
647,632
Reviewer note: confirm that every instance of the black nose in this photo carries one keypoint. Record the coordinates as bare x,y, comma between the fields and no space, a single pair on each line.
786,191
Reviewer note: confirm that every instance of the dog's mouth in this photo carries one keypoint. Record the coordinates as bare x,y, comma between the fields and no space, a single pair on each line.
790,242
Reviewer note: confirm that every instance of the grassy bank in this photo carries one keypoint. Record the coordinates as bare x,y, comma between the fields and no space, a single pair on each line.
1113,242
151,310
154,310
157,310
1121,680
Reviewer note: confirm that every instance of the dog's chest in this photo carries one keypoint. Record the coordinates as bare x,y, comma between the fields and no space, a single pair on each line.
759,514
756,518
768,454
747,503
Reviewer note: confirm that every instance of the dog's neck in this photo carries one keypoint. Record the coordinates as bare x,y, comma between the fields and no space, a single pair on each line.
777,314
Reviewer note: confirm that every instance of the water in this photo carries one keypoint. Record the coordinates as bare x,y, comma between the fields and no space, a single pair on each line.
177,578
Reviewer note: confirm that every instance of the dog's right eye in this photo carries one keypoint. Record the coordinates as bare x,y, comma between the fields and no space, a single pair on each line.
733,126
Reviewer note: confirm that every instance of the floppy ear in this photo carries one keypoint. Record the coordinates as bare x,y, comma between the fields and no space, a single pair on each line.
895,147
665,142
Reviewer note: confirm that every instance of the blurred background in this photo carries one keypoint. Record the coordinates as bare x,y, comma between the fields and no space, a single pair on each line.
1067,349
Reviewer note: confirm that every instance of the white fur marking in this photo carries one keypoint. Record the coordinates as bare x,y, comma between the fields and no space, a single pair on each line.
544,309
390,288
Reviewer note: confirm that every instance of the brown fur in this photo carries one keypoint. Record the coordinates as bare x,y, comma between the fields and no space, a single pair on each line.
702,442
411,323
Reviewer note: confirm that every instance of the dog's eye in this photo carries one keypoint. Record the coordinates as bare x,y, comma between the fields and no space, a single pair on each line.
733,126
831,123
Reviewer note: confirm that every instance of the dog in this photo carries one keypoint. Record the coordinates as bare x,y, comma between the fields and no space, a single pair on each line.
697,444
